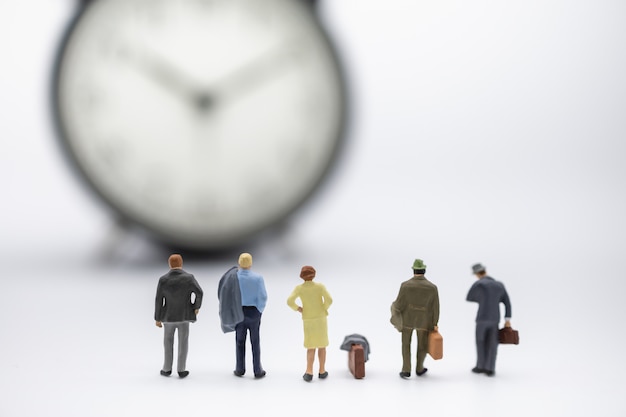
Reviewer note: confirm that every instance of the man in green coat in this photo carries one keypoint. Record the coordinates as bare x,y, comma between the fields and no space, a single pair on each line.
415,308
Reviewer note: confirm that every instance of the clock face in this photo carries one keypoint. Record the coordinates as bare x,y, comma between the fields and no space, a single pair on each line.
203,121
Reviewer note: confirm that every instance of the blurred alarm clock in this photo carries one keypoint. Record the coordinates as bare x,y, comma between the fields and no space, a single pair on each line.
203,122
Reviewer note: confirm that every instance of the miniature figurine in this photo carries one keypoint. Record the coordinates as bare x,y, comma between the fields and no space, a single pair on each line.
315,301
358,353
488,293
178,301
415,308
242,311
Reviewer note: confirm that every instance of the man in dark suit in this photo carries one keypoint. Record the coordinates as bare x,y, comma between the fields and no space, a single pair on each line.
488,293
178,300
253,301
415,308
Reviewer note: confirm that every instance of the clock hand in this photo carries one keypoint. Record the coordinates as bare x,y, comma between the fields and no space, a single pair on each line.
169,77
242,80
252,74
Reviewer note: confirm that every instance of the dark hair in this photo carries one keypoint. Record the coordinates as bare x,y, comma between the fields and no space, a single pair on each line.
419,271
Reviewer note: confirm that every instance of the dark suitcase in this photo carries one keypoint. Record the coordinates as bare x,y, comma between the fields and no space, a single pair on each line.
508,336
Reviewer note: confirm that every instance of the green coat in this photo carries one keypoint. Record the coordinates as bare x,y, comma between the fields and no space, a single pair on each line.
417,305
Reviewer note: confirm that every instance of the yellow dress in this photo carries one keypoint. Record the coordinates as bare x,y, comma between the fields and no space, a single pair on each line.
315,301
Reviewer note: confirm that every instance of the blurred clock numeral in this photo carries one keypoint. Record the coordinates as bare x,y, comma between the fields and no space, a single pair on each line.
157,187
87,98
263,15
206,4
204,203
112,151
145,11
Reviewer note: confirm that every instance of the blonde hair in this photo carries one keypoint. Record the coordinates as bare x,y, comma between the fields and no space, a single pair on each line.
245,260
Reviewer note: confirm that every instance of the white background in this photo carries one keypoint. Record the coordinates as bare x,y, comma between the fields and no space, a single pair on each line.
482,131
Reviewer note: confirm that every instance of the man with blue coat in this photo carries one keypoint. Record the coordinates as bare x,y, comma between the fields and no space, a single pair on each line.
250,302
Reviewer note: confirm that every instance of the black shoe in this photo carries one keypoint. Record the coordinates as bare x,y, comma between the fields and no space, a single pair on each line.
478,370
307,377
238,373
422,372
166,373
405,375
260,375
183,374
489,373
323,375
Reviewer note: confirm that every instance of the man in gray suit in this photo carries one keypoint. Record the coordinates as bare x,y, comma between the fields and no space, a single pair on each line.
488,293
178,300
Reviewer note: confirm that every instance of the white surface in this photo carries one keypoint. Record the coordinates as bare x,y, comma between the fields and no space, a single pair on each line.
483,131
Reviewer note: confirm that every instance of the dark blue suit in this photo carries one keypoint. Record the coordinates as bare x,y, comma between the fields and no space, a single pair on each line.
253,301
488,293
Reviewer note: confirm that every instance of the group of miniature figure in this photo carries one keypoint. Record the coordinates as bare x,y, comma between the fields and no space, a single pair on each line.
242,299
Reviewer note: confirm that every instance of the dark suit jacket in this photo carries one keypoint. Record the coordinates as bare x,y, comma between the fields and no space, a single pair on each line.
489,293
174,295
418,304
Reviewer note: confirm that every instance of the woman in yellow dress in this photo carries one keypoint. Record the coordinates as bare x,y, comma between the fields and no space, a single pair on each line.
315,301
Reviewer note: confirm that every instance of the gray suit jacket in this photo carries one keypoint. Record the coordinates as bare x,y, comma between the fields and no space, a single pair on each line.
356,339
173,297
489,293
229,296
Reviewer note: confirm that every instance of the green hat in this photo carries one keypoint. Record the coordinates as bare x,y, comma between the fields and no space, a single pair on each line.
419,264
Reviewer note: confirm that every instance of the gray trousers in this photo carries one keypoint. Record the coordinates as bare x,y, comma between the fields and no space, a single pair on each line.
486,345
183,344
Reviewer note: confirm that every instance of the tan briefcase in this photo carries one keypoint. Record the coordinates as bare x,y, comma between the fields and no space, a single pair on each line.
435,344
